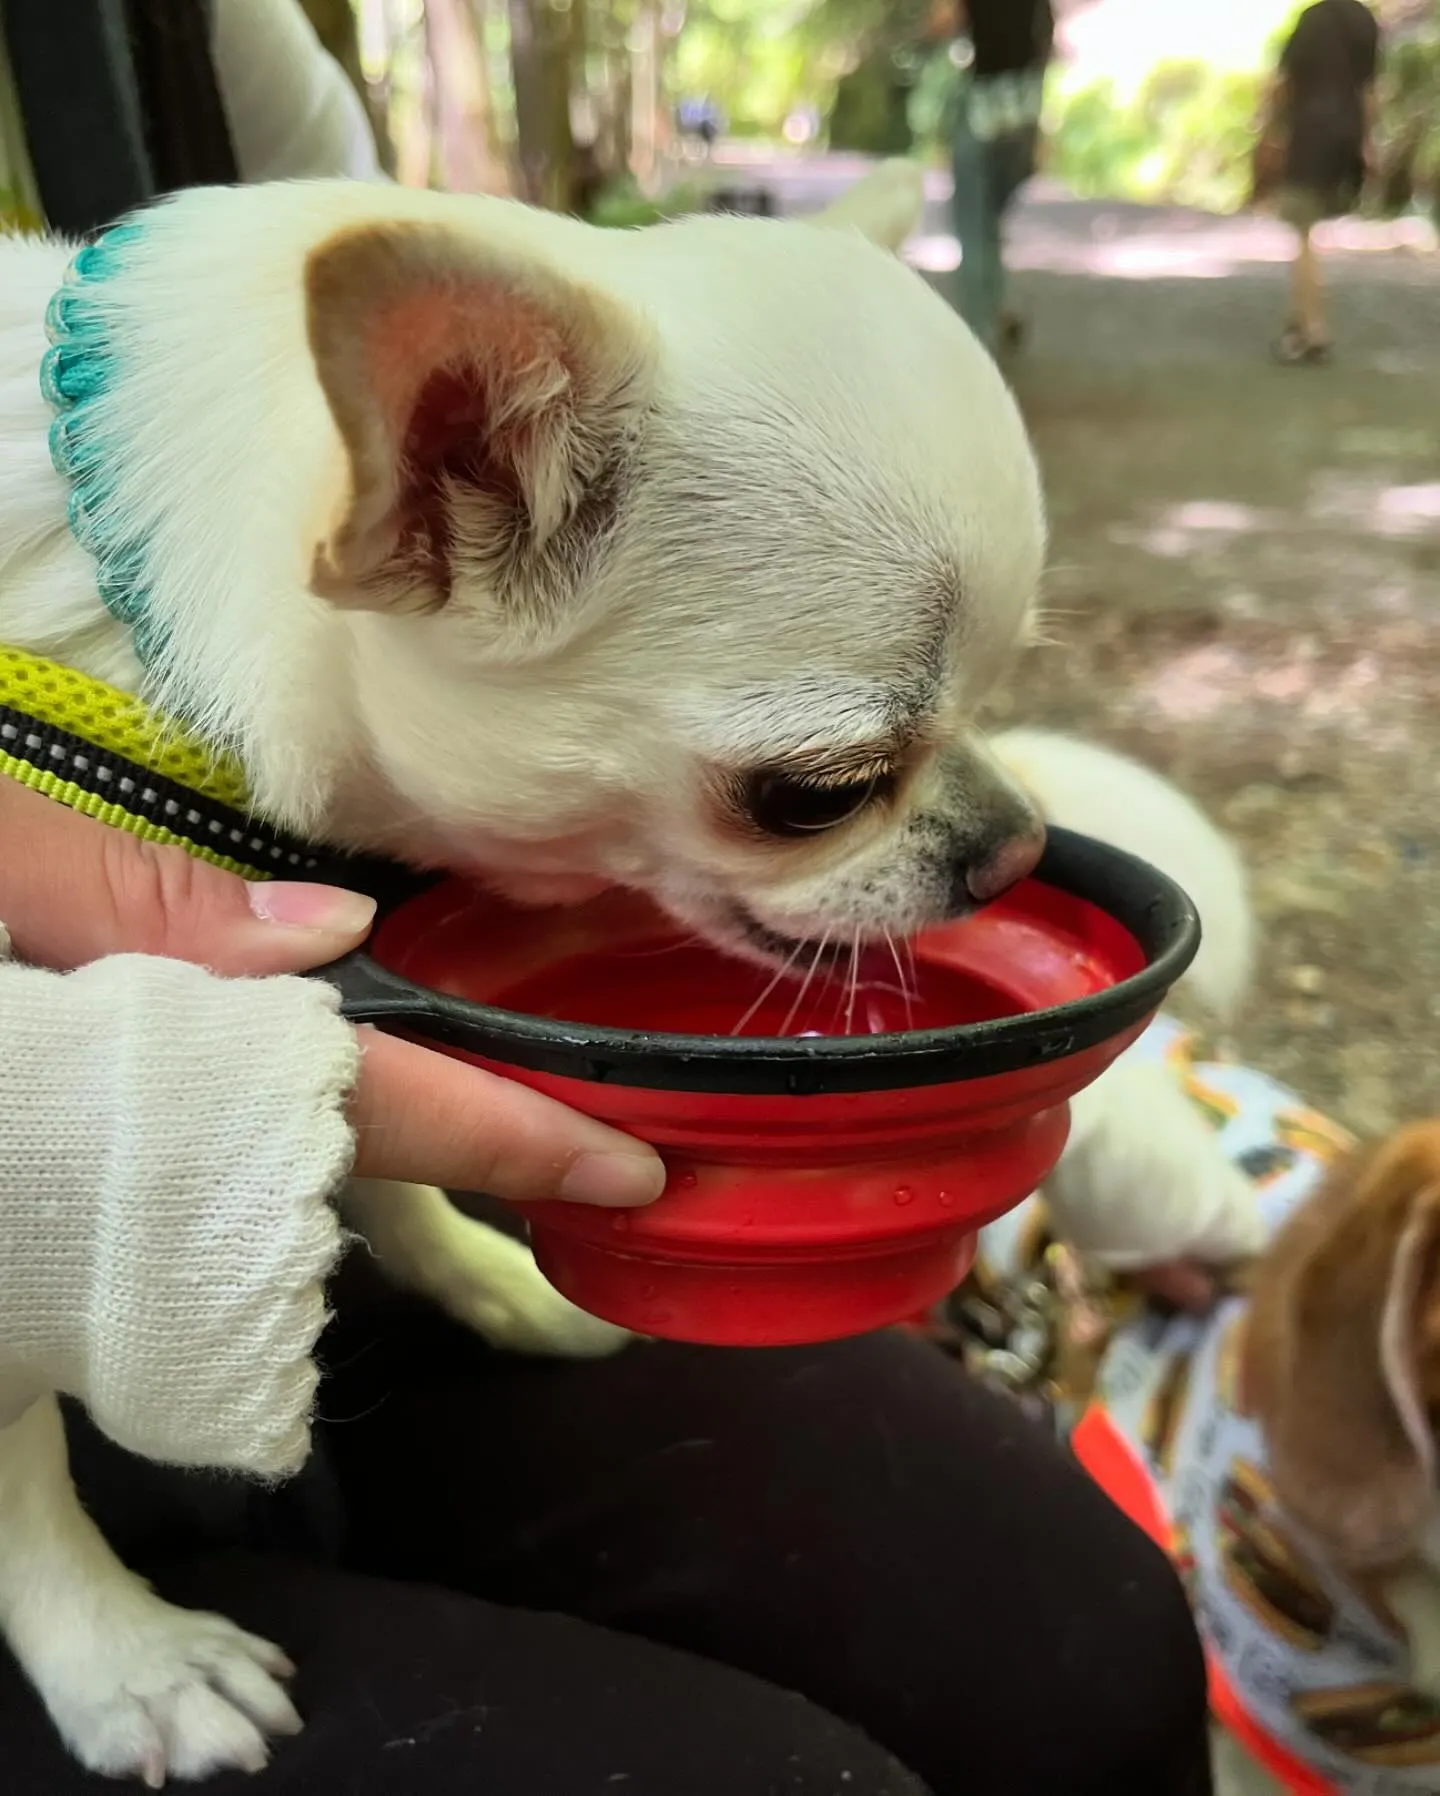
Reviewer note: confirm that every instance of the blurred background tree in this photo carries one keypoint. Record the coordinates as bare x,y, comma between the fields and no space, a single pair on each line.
573,103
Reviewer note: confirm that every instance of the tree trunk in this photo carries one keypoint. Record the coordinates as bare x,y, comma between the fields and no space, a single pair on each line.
462,99
649,117
540,60
334,22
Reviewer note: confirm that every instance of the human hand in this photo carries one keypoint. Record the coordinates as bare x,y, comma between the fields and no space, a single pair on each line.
73,890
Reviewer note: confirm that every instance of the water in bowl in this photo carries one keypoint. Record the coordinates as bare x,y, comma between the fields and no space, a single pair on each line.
693,990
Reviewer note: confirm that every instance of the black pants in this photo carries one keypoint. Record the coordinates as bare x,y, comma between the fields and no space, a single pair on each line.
609,1577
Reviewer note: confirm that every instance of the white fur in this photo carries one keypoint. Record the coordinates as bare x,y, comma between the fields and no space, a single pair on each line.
480,1277
830,514
885,207
1084,787
135,1686
1142,1179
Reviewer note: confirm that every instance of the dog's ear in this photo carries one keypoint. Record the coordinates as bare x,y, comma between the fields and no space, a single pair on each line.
886,206
1342,1358
488,409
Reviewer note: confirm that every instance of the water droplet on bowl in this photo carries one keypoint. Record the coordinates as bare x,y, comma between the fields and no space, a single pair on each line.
620,1224
687,1181
904,1195
947,1199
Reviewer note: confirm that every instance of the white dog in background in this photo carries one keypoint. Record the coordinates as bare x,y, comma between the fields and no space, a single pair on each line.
676,559
1141,1180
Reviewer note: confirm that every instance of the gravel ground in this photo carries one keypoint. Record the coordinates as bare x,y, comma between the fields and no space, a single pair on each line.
1246,593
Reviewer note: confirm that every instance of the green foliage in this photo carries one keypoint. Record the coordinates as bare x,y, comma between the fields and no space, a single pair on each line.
621,206
871,109
747,56
1408,130
1187,134
1184,136
853,61
933,97
866,67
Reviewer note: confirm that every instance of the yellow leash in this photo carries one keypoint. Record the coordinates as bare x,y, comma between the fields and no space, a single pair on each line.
107,755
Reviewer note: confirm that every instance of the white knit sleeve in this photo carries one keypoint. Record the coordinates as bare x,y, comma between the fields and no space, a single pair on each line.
169,1143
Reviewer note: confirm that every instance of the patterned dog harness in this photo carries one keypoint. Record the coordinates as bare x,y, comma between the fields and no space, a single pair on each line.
1303,1672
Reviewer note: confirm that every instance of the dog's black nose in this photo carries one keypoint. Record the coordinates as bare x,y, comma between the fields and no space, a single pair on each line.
977,881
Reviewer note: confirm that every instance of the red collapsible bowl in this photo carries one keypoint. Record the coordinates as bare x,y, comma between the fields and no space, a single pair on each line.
830,1163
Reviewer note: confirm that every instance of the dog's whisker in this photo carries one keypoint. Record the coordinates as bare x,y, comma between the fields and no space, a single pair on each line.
853,983
774,980
906,994
689,940
815,959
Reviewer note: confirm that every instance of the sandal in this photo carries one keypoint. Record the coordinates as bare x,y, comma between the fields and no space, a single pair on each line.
1295,350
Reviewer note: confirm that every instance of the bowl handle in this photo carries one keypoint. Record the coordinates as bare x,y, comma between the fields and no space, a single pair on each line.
370,994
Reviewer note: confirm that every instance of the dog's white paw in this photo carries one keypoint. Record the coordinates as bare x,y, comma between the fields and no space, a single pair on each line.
158,1692
507,1300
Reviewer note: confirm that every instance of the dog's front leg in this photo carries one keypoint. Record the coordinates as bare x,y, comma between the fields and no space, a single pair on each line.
477,1275
136,1687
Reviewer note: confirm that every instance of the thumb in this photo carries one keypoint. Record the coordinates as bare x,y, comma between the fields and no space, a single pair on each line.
73,890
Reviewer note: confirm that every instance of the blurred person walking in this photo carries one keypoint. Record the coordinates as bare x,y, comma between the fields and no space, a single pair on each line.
1314,148
1003,48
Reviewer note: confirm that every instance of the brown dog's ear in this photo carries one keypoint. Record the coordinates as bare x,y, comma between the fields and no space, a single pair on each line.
1342,1357
487,407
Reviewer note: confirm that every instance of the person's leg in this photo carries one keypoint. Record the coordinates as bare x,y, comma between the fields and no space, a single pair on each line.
977,229
406,1691
1304,337
1012,162
1308,295
857,1522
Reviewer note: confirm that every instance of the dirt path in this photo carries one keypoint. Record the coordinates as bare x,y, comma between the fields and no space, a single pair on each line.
1246,577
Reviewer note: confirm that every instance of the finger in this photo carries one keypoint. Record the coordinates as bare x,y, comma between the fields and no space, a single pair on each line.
73,890
427,1119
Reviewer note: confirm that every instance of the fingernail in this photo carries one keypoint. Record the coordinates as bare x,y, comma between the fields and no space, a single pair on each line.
613,1181
326,908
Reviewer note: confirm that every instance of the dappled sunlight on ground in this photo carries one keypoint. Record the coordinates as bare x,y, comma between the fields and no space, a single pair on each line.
1245,588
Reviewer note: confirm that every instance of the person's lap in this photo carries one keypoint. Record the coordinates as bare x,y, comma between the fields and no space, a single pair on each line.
858,1523
411,1691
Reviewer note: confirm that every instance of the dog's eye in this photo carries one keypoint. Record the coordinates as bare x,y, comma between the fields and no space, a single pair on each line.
783,806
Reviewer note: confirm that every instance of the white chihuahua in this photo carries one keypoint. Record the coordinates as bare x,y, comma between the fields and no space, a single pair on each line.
677,560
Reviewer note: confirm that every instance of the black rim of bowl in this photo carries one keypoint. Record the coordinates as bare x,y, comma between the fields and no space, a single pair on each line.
1141,899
